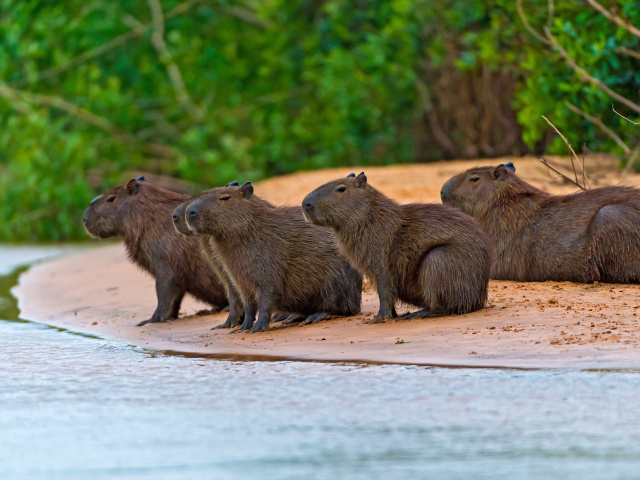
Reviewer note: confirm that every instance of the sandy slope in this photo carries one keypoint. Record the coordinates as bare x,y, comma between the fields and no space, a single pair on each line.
524,325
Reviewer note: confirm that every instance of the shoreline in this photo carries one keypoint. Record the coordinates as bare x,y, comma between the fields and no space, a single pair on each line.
524,326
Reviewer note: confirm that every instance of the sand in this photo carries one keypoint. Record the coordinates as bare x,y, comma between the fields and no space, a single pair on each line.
525,325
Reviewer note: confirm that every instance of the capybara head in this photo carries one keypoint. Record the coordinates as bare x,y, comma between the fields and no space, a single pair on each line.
334,203
221,210
179,220
476,189
107,214
179,217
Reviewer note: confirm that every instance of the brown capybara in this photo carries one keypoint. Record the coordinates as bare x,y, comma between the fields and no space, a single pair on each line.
141,214
592,235
277,261
432,256
236,307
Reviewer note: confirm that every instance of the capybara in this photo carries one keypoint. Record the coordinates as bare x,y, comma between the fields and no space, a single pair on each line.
140,213
277,261
236,307
431,256
592,235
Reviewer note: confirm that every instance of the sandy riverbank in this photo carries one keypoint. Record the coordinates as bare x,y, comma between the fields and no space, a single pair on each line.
530,325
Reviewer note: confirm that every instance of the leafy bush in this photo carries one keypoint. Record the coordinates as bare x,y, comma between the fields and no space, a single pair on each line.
92,92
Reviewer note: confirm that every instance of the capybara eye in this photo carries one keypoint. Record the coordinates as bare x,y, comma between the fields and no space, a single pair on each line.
341,189
226,197
111,199
474,179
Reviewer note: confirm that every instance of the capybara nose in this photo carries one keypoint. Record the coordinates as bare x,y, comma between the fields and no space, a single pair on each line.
175,217
308,206
85,219
193,214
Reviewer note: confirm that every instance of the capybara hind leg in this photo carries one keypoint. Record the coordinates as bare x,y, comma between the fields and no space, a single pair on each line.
424,313
315,318
280,316
294,318
616,244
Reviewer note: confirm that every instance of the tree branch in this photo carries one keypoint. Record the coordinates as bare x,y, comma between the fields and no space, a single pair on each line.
157,40
597,121
137,31
61,104
588,77
620,115
527,25
614,18
573,153
630,53
568,179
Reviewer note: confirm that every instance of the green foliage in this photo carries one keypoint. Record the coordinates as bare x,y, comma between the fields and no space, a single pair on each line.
271,87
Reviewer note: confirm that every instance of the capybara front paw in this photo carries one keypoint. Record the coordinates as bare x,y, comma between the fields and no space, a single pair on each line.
259,328
151,320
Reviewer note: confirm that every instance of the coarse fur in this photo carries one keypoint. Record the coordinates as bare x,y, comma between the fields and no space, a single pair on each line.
427,255
592,235
207,246
141,213
276,260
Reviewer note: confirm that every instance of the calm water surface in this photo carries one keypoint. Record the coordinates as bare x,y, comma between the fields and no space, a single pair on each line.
73,407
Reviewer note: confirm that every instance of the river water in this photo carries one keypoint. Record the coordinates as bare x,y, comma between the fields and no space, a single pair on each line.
76,407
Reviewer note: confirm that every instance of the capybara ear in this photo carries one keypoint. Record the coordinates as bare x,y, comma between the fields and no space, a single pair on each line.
232,184
351,175
510,166
141,179
132,186
246,190
500,172
361,180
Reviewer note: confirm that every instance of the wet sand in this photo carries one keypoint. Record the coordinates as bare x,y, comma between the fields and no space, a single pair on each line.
527,325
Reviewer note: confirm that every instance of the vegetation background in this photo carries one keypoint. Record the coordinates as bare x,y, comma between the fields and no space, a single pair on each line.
92,91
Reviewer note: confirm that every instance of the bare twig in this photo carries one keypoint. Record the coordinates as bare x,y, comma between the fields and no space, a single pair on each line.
614,18
546,163
573,153
632,160
550,10
157,40
630,53
585,180
597,121
137,31
247,16
61,104
614,111
527,25
588,77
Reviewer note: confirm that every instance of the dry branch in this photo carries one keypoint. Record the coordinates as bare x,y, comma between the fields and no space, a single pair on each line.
620,115
573,153
629,53
588,77
137,31
614,18
597,121
546,163
62,104
157,40
528,26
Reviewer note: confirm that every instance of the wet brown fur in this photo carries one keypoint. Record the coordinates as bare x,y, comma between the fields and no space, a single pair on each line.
432,256
276,260
141,214
593,235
